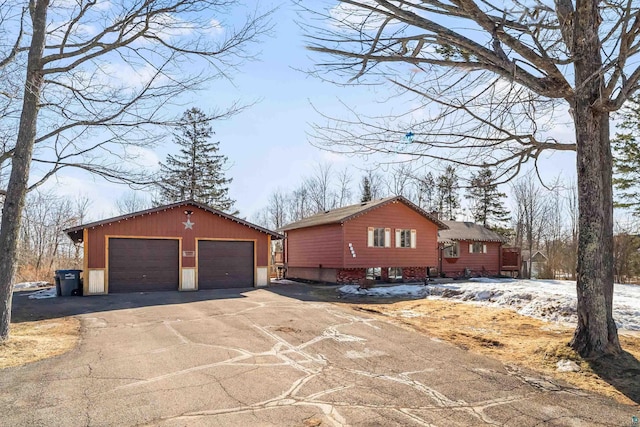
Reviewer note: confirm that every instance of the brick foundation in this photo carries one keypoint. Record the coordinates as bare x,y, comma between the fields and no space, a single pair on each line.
414,274
351,276
473,273
357,276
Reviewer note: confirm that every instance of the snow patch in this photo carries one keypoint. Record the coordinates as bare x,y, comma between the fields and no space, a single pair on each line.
552,300
30,285
567,366
386,291
45,293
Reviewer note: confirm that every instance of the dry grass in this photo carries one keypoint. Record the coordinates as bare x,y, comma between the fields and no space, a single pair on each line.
511,338
33,341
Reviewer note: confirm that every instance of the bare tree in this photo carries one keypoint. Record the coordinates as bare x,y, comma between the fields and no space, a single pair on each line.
530,218
277,210
132,201
344,193
399,180
493,78
76,110
42,241
299,203
319,188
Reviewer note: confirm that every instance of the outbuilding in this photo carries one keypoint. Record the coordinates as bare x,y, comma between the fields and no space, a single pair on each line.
185,246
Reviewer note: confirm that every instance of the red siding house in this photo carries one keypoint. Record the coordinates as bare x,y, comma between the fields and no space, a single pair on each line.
184,246
390,239
468,249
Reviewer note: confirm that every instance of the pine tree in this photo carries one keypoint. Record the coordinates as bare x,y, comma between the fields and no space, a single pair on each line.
447,193
486,200
197,171
626,160
365,187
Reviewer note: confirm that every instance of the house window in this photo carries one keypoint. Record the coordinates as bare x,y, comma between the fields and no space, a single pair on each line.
477,248
405,238
378,237
395,273
374,273
452,250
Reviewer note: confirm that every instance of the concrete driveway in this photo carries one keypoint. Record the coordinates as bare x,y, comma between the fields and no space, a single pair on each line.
275,356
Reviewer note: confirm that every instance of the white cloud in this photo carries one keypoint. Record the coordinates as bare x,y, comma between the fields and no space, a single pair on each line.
335,158
143,157
130,75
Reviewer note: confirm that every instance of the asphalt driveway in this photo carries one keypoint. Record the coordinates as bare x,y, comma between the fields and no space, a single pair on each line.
276,356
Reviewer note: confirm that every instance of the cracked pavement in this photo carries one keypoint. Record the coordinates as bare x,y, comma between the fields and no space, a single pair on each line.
259,357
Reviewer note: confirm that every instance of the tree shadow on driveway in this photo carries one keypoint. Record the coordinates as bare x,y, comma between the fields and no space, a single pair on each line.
24,309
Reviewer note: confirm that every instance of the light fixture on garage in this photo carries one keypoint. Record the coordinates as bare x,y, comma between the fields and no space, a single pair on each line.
188,225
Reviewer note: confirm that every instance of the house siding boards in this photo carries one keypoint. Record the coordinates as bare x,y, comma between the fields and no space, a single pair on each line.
315,246
167,223
395,215
478,263
318,248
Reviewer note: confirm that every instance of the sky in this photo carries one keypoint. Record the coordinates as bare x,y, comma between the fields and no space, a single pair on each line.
268,144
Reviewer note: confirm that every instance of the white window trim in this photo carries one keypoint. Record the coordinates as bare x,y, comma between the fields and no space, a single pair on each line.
444,252
482,251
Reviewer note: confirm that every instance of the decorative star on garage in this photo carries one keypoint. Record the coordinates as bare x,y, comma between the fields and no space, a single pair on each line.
188,225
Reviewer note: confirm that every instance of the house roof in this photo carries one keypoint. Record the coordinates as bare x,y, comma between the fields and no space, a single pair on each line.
537,256
458,230
75,233
340,215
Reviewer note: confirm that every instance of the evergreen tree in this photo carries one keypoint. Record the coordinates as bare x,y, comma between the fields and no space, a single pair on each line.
197,171
365,187
626,160
486,200
447,193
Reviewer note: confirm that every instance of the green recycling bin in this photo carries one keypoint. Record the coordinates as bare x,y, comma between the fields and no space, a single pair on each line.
68,283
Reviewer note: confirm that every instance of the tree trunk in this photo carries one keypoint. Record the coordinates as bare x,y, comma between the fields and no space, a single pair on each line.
596,333
20,163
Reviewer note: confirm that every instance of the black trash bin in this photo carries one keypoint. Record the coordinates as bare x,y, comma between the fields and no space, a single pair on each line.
68,282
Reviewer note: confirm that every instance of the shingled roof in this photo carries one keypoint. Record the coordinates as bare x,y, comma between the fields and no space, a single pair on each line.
468,231
75,233
340,215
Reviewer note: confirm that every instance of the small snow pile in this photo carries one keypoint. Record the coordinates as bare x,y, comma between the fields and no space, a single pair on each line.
567,366
45,293
386,291
29,285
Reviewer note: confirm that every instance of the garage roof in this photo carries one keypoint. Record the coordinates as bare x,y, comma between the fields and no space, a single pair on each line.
340,215
75,233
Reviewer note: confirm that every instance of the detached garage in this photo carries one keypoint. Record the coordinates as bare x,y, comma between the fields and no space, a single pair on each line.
183,246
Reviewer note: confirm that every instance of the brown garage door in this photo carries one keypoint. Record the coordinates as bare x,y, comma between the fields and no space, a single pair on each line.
224,264
143,265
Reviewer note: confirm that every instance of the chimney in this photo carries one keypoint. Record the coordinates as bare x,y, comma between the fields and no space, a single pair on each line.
435,214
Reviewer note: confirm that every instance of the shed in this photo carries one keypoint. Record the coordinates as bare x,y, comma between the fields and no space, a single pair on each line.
183,246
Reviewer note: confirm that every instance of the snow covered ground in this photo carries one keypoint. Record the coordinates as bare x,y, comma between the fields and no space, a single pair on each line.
29,285
553,300
45,293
